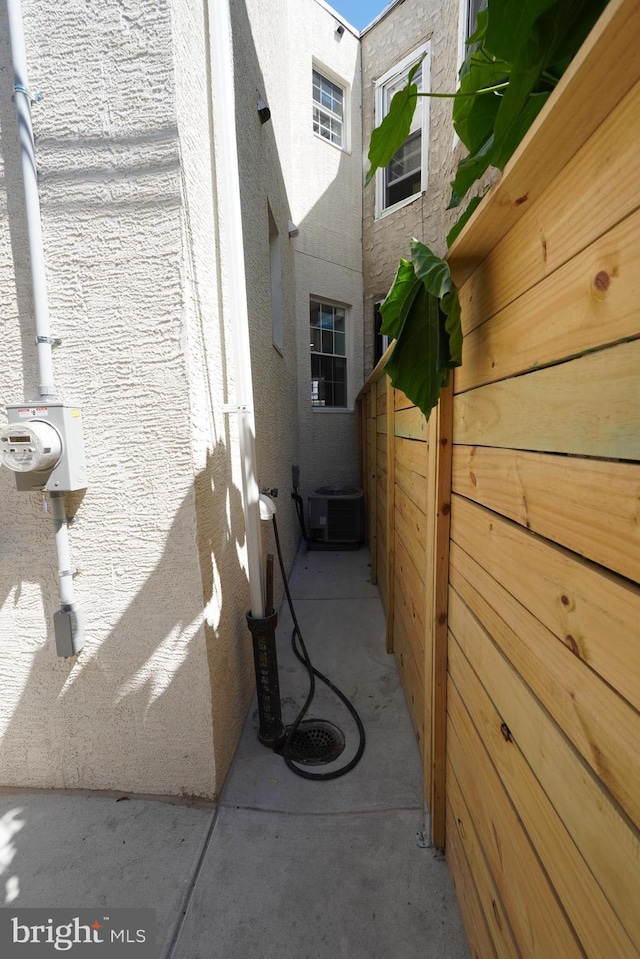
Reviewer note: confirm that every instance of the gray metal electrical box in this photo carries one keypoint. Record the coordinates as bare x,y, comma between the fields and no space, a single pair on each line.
22,443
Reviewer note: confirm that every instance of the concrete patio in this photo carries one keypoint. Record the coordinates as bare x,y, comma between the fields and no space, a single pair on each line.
282,867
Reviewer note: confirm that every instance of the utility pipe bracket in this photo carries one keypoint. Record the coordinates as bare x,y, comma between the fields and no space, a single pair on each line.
33,97
231,408
51,340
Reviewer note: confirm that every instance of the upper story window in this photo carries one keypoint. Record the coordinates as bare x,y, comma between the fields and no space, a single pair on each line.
405,178
328,333
467,24
328,109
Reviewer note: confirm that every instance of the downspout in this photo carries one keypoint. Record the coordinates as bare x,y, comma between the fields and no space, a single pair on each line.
231,217
68,630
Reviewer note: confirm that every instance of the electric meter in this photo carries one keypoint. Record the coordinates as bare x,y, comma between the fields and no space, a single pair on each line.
44,447
27,447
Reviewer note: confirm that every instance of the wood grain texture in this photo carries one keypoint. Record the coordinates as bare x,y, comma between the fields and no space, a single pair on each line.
554,495
589,406
537,918
589,303
466,876
601,725
594,613
411,424
412,455
608,844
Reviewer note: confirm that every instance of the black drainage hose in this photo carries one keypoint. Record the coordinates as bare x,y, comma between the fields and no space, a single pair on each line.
299,648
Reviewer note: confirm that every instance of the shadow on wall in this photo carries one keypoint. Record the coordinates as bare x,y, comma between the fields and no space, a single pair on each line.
146,676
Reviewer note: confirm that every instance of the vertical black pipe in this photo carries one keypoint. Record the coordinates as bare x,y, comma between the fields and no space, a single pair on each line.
265,658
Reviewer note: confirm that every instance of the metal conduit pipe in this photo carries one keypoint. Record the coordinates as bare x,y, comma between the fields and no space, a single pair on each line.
231,217
69,634
23,99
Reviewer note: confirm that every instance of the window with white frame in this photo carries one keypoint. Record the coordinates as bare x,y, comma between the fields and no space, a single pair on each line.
328,109
405,177
467,24
328,341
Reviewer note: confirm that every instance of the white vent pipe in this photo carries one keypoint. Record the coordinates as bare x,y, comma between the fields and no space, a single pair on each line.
231,218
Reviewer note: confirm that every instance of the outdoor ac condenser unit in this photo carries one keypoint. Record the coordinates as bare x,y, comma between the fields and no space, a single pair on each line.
336,516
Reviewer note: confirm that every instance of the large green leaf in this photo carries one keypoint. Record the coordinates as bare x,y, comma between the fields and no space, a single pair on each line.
412,367
387,139
422,314
403,292
510,25
457,228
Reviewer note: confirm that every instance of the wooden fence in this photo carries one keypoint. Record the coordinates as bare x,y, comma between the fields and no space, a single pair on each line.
542,560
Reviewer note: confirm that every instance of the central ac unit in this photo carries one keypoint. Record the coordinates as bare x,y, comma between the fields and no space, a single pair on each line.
336,516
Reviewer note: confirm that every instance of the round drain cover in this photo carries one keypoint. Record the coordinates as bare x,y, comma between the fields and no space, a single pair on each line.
316,742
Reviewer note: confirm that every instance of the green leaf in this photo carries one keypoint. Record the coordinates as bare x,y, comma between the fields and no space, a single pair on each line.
399,300
387,139
431,269
422,313
455,230
412,367
510,25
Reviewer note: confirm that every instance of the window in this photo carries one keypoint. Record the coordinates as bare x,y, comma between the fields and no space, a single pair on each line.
467,23
406,176
275,264
328,109
328,334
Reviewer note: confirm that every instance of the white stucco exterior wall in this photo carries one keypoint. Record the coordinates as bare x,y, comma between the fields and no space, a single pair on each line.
326,201
137,265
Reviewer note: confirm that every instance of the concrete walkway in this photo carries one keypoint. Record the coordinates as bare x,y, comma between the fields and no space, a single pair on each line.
283,868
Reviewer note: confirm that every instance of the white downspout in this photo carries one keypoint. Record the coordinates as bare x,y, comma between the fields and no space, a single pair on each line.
231,218
69,633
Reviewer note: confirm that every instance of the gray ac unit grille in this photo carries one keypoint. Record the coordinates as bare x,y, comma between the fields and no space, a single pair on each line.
343,520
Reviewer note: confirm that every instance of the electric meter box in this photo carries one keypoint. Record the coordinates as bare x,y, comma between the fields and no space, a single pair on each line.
44,446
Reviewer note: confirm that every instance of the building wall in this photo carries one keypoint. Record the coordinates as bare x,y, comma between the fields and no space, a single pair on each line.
326,205
402,29
137,264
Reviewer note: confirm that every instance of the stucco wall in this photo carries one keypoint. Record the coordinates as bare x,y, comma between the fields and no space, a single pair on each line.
137,266
404,28
326,202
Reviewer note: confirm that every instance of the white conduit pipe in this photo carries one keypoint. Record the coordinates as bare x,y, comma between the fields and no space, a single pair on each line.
31,199
231,218
46,387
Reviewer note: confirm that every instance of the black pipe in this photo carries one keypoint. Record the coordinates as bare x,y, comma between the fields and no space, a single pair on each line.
263,632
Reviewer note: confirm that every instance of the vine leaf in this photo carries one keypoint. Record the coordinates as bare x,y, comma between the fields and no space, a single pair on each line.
422,314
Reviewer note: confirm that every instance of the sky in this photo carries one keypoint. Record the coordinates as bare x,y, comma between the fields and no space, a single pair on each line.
359,13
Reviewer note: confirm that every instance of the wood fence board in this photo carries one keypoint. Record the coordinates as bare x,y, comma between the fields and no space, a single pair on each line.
389,515
602,726
409,593
411,424
411,682
589,303
601,75
381,388
412,485
381,442
460,828
409,532
589,406
537,919
606,841
593,612
412,455
402,402
465,878
381,423
552,495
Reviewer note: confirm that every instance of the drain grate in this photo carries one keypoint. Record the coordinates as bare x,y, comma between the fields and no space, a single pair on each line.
316,742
